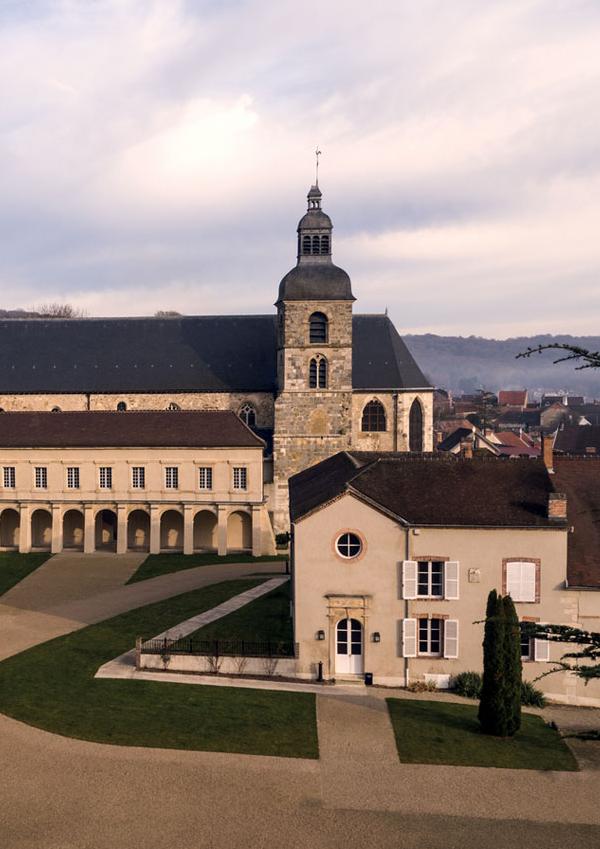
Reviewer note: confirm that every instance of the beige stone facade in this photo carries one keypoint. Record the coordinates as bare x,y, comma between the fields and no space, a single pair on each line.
371,589
54,499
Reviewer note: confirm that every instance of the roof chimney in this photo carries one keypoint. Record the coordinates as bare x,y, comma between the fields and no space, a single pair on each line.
466,449
557,506
548,451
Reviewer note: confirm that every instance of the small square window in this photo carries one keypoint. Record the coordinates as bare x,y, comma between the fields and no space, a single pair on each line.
9,477
240,477
205,477
171,477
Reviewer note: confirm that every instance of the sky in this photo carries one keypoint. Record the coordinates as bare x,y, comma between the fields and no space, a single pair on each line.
156,154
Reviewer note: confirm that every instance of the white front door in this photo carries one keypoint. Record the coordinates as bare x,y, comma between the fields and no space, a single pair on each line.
349,647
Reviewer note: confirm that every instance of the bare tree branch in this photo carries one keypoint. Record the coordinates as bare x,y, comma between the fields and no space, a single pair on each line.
587,359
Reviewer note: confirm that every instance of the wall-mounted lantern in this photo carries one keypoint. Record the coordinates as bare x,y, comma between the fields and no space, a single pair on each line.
376,637
320,635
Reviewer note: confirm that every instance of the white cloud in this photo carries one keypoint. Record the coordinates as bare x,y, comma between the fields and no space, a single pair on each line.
164,147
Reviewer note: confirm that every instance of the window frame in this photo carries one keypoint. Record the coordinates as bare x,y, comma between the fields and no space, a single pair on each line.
138,477
105,477
318,328
442,579
373,412
40,477
533,561
73,480
171,477
352,539
209,473
247,413
440,637
9,477
239,478
318,372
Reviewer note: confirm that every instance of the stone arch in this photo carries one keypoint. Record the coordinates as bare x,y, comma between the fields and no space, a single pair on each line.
415,426
239,531
106,530
138,530
41,529
10,525
171,530
373,417
73,530
205,531
317,372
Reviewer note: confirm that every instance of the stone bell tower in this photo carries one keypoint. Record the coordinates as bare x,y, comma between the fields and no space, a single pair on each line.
313,407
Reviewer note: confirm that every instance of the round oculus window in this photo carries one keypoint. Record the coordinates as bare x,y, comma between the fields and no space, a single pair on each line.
349,545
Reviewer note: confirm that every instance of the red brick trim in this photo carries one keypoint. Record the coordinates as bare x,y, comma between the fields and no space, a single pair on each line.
443,558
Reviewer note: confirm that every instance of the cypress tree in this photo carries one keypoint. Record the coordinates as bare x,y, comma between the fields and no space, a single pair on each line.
493,715
513,667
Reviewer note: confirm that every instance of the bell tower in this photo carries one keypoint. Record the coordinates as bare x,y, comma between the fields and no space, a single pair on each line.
313,408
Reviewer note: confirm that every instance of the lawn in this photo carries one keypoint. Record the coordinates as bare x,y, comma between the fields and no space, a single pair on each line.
432,732
267,618
164,564
14,567
51,686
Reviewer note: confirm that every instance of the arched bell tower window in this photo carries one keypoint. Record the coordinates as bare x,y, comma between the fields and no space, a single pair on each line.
248,415
318,372
415,427
318,325
373,417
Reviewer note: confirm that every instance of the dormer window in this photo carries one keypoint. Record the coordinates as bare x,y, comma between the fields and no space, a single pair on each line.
318,327
318,373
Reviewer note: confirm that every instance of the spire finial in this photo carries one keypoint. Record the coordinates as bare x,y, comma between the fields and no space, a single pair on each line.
317,154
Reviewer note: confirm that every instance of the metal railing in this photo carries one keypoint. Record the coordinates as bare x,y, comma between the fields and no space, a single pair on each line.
220,648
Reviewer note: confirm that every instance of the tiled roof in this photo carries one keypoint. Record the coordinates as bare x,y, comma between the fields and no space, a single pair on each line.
440,490
180,354
180,429
579,478
578,439
512,397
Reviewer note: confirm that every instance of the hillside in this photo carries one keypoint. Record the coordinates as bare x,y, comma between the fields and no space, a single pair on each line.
465,364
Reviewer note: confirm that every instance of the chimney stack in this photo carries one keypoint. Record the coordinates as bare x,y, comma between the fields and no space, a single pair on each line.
557,506
548,451
466,449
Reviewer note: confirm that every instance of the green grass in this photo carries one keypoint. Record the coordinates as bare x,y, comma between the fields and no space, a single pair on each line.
432,732
14,567
51,686
267,618
164,564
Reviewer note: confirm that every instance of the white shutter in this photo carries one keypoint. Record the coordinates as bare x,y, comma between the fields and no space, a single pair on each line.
451,638
409,638
513,581
451,570
409,580
541,651
528,571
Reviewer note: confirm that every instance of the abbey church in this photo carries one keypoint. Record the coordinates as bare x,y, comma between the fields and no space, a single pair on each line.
310,380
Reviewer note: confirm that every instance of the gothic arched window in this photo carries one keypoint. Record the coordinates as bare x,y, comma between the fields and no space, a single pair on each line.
318,373
317,325
415,427
248,415
373,417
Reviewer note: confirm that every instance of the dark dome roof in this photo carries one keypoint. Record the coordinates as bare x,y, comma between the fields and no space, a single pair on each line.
316,282
315,218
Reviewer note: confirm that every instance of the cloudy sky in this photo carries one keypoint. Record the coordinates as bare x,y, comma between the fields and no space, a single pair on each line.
156,154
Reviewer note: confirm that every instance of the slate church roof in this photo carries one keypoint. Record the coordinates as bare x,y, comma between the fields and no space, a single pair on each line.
183,354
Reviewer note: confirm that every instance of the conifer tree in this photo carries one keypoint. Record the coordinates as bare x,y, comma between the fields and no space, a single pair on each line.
513,667
493,715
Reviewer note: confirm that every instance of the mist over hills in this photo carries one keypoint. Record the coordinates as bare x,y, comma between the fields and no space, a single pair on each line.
466,364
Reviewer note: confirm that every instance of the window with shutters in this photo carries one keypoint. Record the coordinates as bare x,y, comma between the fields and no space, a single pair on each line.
105,477
317,377
373,417
205,477
240,477
9,477
521,580
533,648
430,637
72,477
41,477
317,328
138,477
430,579
171,477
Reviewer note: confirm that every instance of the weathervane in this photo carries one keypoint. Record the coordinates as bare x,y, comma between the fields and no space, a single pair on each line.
317,154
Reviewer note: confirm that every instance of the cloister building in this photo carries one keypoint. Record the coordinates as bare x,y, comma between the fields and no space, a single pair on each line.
313,379
135,481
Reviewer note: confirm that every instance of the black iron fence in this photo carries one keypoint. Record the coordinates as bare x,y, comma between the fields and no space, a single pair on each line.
220,648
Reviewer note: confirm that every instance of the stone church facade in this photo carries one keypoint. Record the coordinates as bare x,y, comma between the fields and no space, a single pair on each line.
312,380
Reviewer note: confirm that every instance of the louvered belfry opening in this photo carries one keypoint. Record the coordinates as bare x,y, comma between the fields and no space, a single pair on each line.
318,327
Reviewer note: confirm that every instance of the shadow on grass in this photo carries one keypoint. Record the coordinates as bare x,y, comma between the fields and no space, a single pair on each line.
165,564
